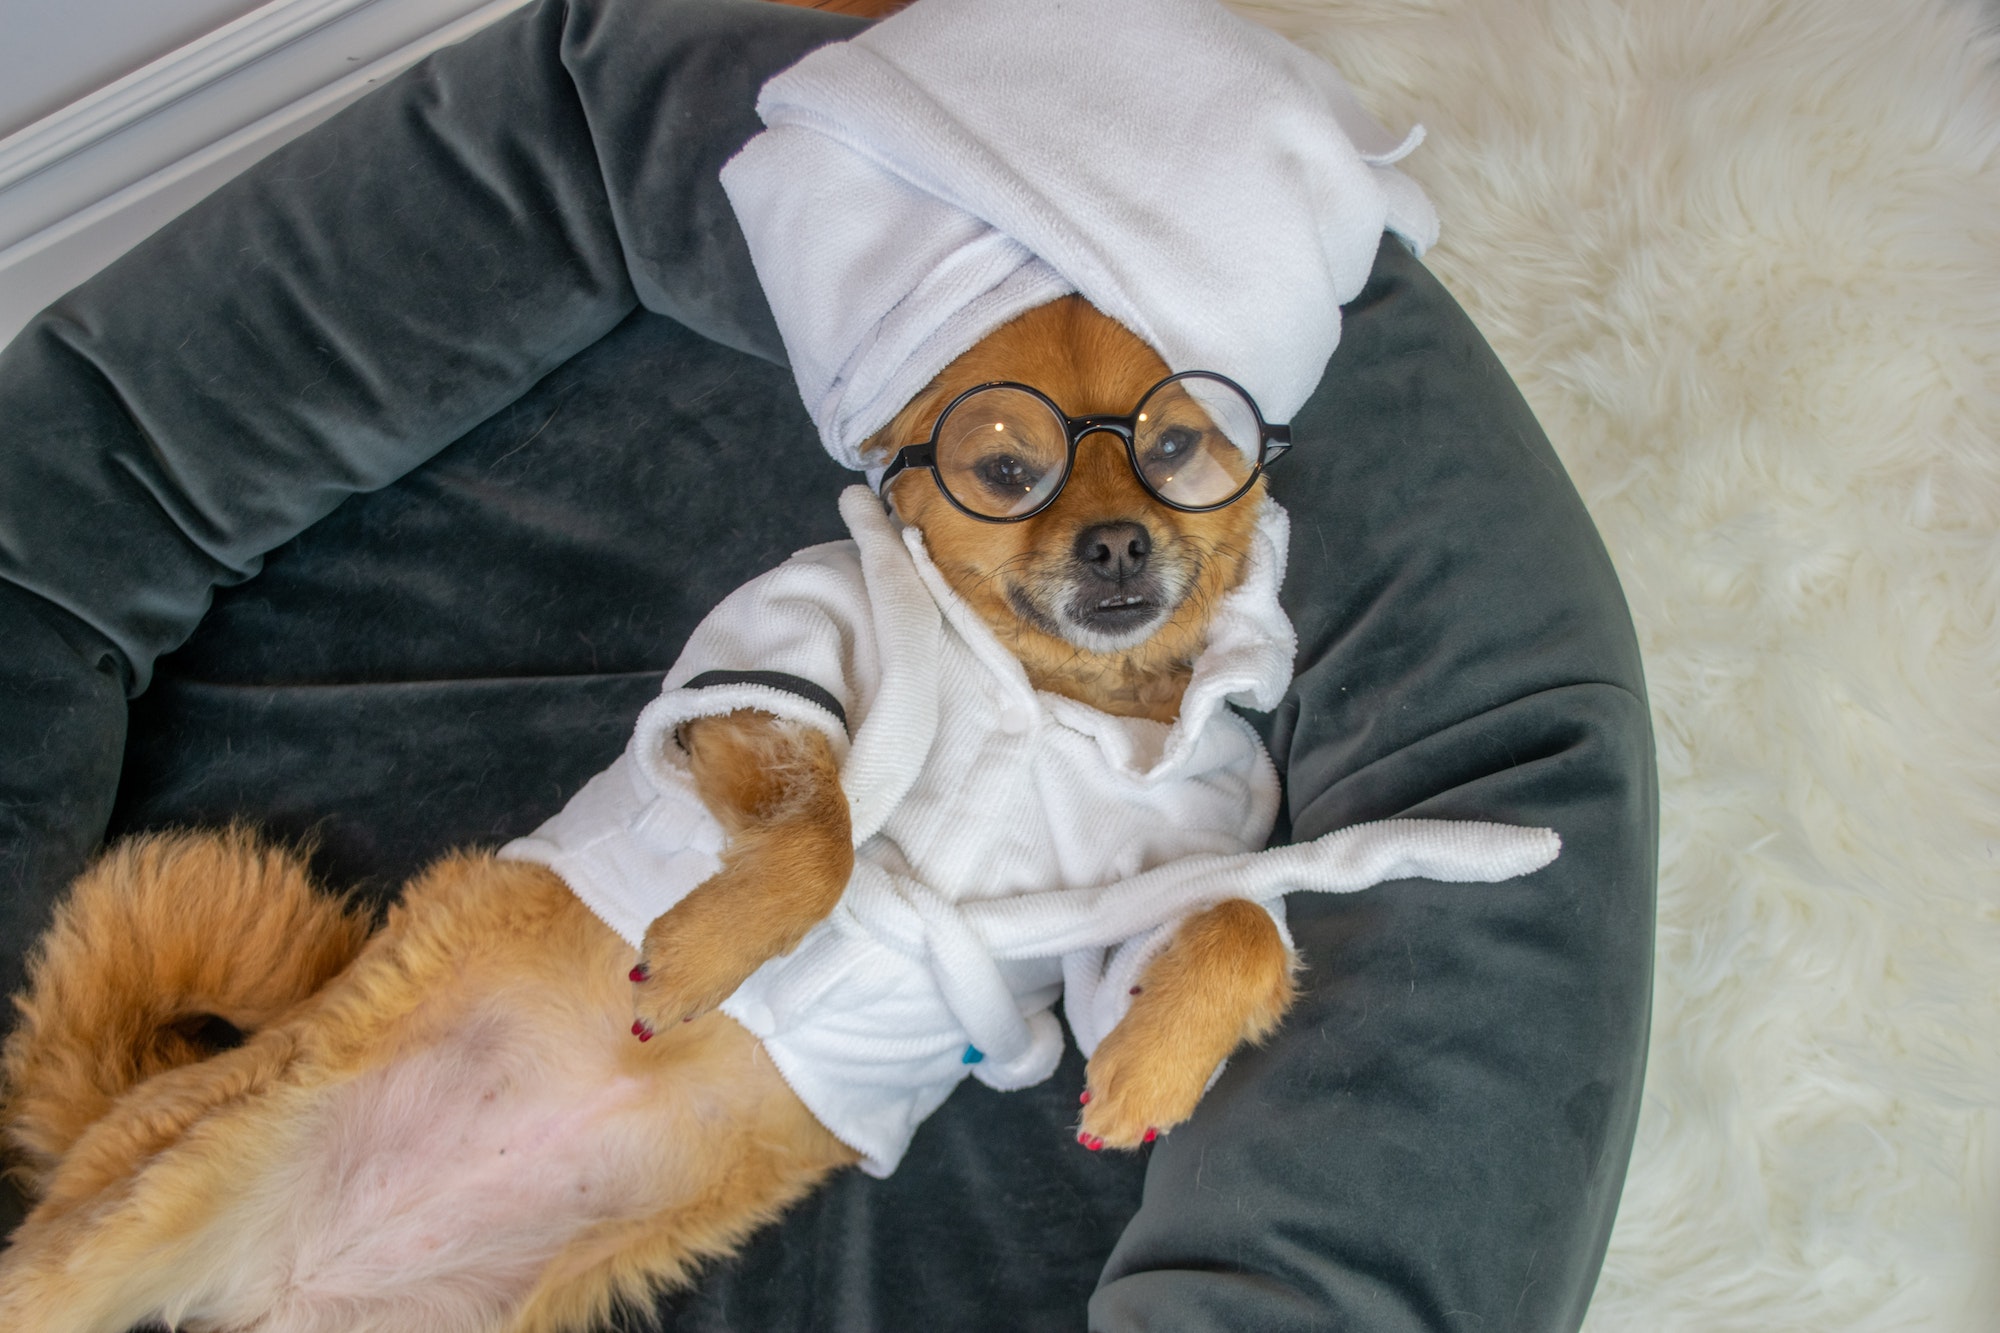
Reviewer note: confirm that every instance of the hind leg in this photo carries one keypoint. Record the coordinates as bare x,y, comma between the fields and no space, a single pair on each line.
129,1208
163,936
137,1202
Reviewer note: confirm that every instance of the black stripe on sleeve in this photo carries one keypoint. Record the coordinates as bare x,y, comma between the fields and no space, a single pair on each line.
777,680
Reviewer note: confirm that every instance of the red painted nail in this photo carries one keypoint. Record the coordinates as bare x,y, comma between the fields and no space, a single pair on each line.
1083,1138
1094,1144
1151,1134
637,1027
640,1030
688,1019
1135,990
638,973
1085,1097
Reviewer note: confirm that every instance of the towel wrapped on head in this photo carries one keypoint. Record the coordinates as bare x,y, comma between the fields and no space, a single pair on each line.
1194,176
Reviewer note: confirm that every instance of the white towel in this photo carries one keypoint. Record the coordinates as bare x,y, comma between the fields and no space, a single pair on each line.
1196,177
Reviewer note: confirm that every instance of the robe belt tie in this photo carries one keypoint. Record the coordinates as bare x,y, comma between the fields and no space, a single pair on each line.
964,943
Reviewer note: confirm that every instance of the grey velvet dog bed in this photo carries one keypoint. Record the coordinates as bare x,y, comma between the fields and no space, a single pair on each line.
372,497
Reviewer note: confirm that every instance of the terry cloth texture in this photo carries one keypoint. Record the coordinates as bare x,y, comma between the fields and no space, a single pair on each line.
1196,177
1011,845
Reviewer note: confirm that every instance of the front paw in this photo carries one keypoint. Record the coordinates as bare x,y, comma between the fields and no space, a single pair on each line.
1144,1079
691,962
1225,978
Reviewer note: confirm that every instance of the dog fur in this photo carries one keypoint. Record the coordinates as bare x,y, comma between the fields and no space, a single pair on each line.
449,1124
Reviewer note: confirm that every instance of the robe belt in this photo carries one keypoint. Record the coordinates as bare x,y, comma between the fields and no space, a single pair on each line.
964,943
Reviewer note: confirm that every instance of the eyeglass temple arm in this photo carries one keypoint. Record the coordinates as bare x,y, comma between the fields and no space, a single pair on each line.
907,457
1277,439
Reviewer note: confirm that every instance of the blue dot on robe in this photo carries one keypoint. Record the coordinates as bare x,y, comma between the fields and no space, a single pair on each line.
973,1055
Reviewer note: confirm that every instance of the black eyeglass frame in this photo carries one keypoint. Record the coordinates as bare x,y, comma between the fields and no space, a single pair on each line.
1272,442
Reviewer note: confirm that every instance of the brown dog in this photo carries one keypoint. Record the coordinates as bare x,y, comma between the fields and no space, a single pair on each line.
448,1125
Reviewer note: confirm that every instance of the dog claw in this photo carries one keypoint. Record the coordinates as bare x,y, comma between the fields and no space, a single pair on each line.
1150,1135
637,974
1090,1141
1084,1099
641,1030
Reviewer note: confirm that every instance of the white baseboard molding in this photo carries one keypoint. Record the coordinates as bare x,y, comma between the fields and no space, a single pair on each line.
80,187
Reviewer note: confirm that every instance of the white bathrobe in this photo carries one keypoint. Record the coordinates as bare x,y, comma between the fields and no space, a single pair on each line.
1011,846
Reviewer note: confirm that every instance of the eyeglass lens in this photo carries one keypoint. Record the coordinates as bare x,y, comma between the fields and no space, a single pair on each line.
1002,452
1196,440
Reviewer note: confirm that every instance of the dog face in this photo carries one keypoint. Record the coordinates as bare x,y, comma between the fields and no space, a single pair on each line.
1106,594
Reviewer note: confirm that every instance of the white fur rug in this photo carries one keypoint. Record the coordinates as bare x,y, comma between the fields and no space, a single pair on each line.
1743,256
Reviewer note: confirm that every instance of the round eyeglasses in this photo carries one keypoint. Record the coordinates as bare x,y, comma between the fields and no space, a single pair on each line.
1002,452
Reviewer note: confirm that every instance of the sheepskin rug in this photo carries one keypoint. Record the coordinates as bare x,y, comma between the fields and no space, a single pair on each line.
1743,257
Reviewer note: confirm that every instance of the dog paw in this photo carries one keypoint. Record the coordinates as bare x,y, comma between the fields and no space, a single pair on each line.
1142,1082
1225,978
690,964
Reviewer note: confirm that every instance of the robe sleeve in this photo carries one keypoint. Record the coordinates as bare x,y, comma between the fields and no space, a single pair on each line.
796,642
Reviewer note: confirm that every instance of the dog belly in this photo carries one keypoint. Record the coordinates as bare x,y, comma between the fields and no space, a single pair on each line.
433,1192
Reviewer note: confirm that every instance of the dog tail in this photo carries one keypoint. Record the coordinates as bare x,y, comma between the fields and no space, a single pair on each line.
169,948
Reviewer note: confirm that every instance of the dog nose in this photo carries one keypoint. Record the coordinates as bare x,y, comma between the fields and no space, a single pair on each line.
1114,552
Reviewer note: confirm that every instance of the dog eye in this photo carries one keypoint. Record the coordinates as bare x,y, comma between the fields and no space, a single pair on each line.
1175,442
1004,472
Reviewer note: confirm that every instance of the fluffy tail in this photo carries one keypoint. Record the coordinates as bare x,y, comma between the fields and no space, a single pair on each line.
168,948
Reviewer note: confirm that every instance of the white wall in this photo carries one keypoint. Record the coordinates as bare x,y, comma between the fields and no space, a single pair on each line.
130,146
54,51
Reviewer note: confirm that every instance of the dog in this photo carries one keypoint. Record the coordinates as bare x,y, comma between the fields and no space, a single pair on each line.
482,1115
